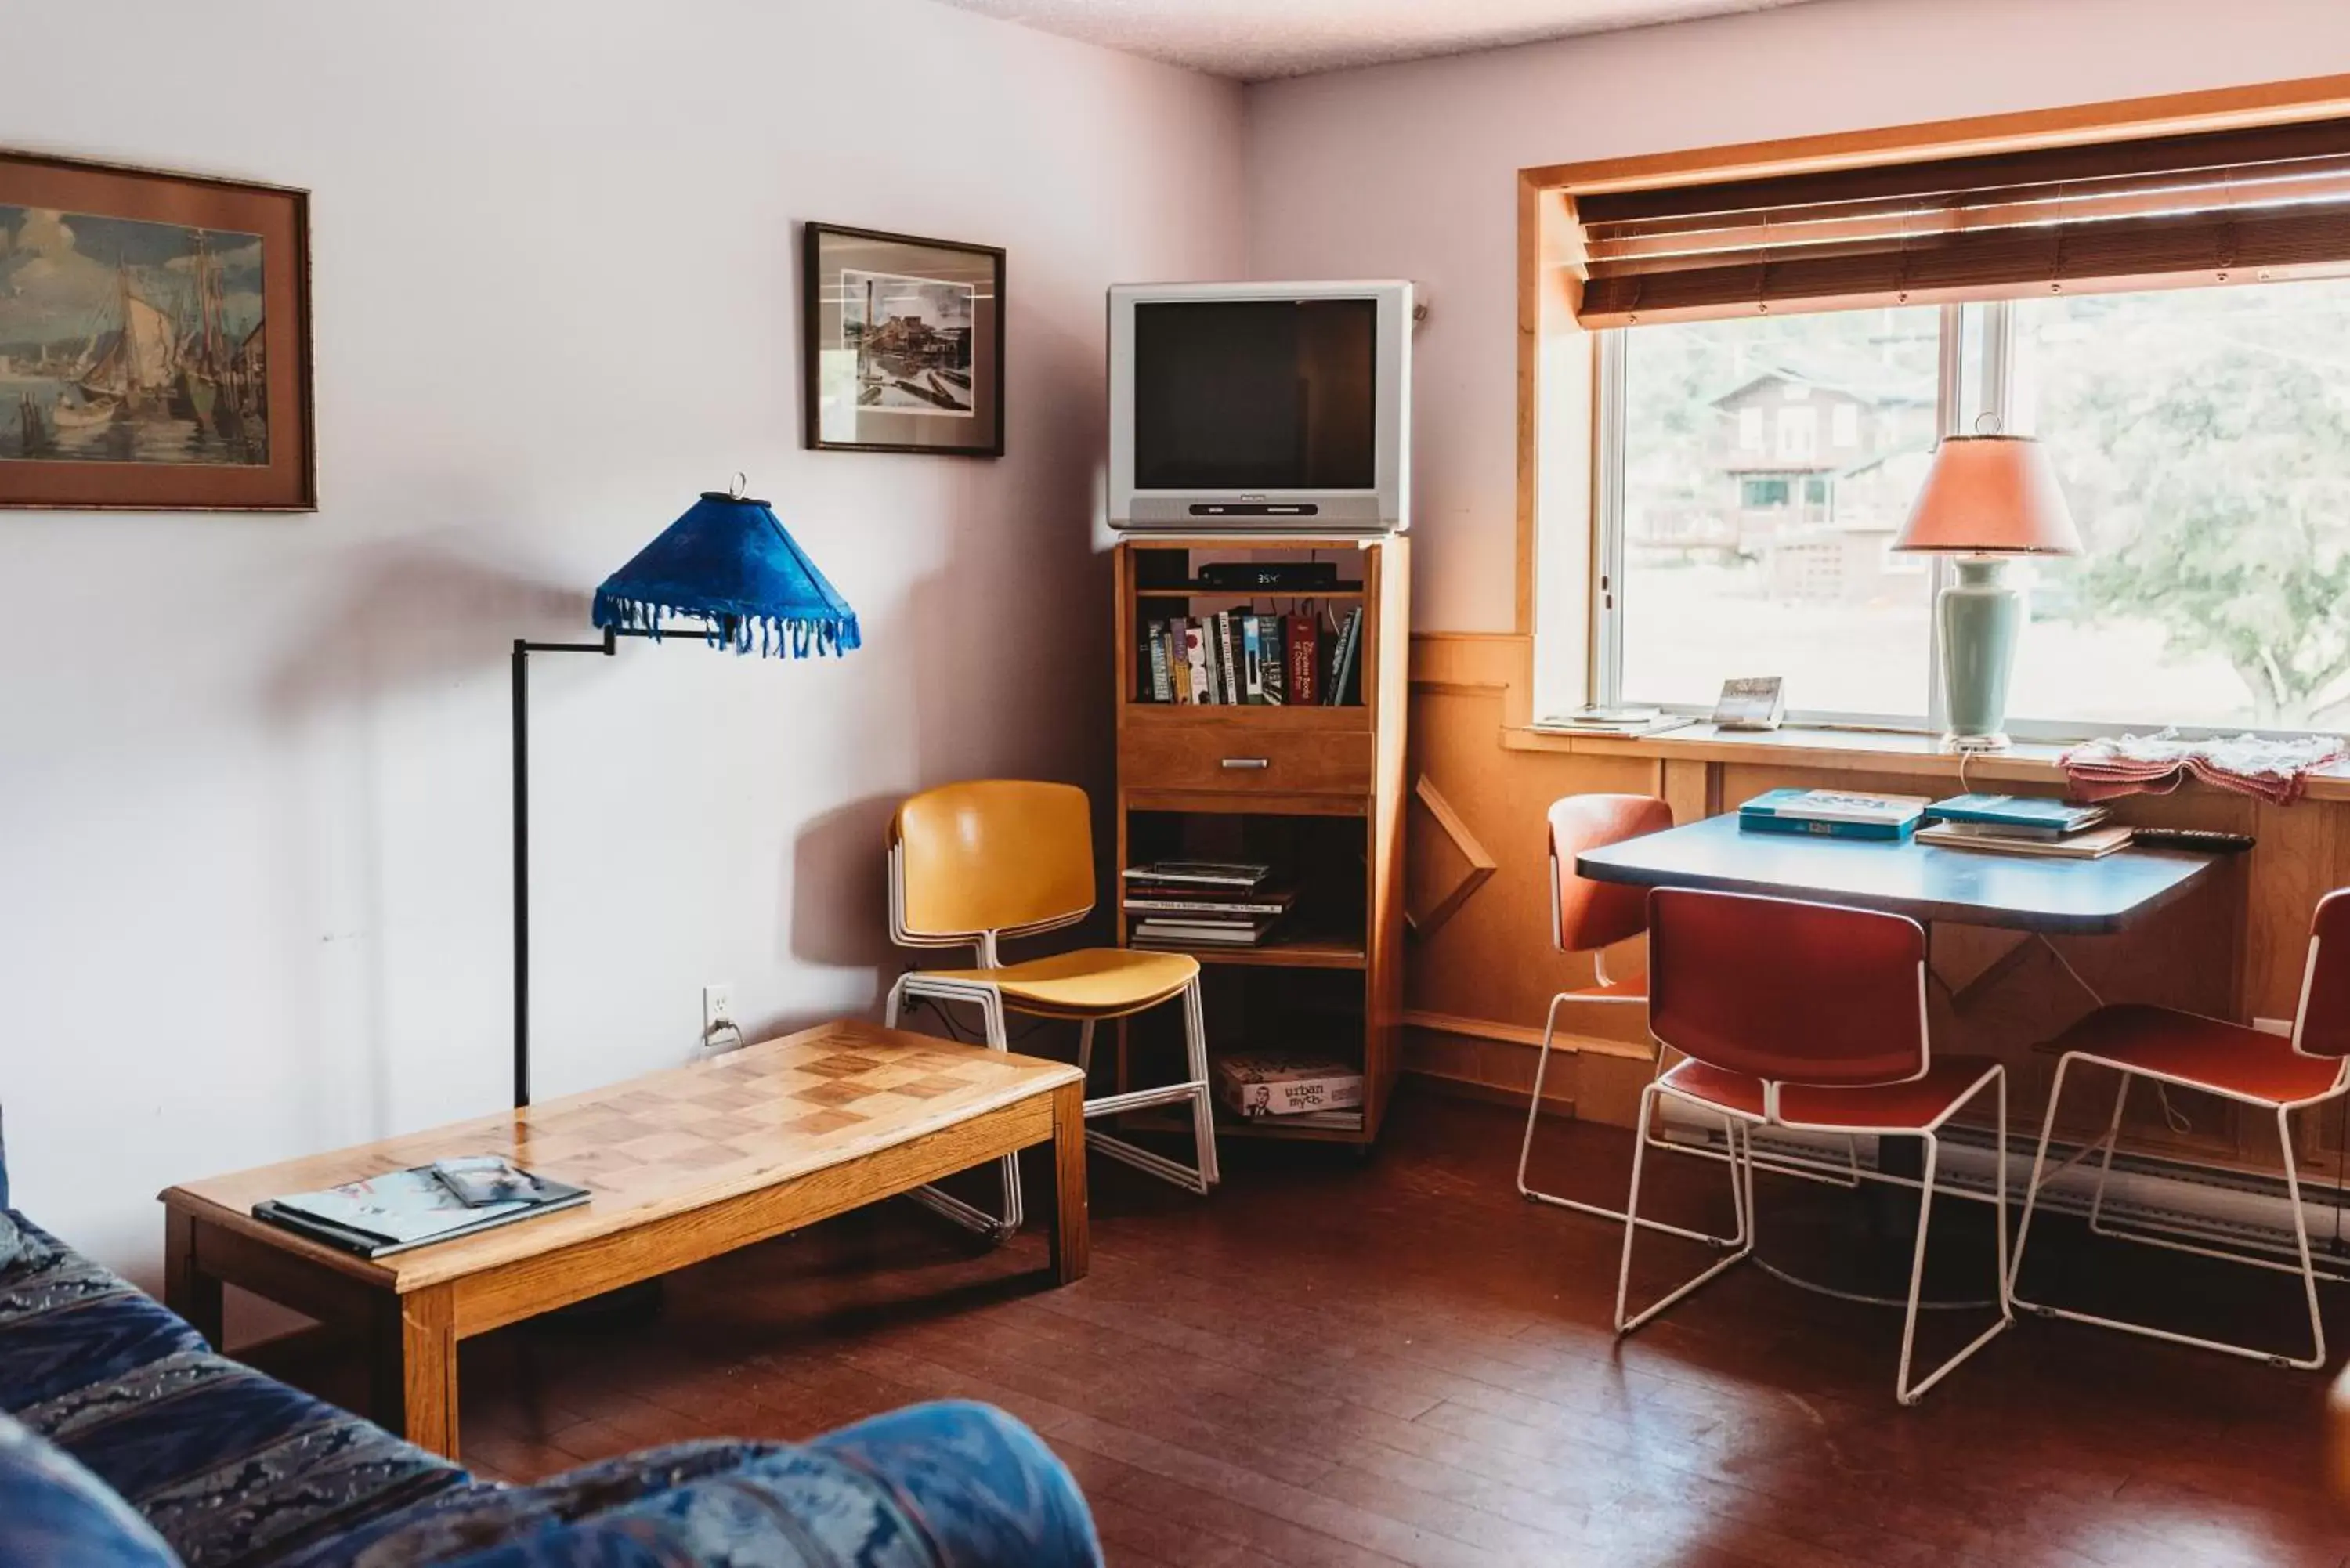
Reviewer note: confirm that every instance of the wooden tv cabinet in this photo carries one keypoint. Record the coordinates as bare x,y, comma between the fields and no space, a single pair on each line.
1315,791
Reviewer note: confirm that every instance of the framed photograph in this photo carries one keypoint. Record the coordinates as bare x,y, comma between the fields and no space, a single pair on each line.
903,339
154,340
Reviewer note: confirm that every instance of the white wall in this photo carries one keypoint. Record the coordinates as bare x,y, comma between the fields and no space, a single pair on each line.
254,770
1410,171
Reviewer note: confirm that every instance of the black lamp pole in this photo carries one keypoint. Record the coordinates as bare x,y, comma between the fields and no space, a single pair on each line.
523,649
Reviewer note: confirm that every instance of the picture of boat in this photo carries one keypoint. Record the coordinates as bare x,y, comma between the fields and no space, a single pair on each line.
912,339
130,341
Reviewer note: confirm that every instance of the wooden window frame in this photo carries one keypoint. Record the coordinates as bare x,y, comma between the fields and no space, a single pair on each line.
1564,461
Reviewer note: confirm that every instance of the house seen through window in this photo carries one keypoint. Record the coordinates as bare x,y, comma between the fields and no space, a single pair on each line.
2202,437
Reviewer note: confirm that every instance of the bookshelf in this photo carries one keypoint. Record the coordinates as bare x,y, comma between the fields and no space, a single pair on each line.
1315,791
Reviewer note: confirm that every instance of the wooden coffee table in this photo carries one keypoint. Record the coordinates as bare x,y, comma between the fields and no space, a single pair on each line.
683,1165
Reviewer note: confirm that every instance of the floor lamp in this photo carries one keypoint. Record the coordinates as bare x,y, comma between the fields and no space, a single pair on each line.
729,564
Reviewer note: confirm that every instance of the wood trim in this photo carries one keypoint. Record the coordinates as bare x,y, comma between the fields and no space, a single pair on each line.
1836,751
1479,859
2219,108
1531,197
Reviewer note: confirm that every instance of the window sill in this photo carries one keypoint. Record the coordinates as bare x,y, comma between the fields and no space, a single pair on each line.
1846,751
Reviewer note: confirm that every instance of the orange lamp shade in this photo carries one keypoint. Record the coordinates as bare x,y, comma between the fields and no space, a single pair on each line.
1990,495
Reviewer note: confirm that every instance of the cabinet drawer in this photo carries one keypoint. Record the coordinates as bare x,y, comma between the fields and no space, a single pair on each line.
1246,758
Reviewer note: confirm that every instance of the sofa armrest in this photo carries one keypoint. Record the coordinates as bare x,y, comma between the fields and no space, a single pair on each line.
926,1487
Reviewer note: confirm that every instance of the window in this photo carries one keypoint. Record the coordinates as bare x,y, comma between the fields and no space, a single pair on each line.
2202,437
1799,434
1722,574
2203,433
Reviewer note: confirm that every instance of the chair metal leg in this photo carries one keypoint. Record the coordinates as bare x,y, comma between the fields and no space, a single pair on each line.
1198,1179
1903,1389
1526,1149
2106,1159
1741,1199
991,1005
2306,1267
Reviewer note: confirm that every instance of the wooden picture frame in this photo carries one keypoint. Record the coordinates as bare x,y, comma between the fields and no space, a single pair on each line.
155,350
901,342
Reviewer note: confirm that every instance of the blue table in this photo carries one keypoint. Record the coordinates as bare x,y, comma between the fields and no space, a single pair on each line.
1924,881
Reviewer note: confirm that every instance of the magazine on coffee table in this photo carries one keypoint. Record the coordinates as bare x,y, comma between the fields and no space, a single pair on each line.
414,1207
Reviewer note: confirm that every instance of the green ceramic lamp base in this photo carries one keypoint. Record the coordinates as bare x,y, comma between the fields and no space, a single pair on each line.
1982,616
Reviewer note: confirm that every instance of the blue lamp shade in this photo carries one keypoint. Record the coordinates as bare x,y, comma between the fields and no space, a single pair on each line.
729,562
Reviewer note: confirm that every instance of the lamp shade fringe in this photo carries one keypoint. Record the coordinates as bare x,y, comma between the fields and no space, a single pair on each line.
768,635
729,563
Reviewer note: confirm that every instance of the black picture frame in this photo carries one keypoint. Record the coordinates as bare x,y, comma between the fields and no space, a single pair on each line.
950,294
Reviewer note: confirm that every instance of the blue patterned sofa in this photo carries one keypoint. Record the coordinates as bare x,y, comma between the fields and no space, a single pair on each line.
110,1400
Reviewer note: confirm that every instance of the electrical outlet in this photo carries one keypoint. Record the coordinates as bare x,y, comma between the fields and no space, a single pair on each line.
718,1012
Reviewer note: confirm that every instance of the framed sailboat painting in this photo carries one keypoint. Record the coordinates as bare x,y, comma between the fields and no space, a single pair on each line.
154,340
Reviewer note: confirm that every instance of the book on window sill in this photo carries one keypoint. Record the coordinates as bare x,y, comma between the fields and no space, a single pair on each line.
1623,721
414,1207
2093,843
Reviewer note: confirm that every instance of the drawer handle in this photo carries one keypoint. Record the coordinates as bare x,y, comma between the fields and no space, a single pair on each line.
1248,762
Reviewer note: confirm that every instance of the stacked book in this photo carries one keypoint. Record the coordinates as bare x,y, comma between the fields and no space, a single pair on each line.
1833,814
2022,824
1297,1091
1236,657
426,1203
1204,903
1617,721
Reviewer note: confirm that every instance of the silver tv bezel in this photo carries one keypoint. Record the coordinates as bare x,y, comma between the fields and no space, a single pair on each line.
1383,508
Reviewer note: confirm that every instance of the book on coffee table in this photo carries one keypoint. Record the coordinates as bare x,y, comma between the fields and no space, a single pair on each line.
417,1207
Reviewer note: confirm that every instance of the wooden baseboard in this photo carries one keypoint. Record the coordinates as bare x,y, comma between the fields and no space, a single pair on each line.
1557,1107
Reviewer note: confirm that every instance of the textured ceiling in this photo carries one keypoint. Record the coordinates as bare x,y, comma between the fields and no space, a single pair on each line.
1254,39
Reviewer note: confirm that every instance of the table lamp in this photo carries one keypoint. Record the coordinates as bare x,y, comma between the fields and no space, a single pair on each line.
1986,498
727,565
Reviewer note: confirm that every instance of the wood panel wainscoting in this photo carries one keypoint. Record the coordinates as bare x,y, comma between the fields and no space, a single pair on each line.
1479,980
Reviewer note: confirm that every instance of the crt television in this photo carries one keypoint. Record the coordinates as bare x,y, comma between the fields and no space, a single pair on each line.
1259,407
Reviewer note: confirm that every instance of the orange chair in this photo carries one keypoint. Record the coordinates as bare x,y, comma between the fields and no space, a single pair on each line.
1588,915
2252,1068
1813,1018
972,864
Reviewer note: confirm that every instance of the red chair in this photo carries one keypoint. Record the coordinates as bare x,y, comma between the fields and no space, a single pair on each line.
1813,1018
1588,917
2252,1068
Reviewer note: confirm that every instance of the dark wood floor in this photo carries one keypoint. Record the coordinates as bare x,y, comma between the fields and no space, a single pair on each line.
1401,1361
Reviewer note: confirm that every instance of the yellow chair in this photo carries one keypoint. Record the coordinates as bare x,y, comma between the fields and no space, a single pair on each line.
972,864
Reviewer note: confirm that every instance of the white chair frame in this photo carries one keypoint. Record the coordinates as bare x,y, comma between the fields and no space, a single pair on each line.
2305,1265
988,998
1740,1137
1783,1165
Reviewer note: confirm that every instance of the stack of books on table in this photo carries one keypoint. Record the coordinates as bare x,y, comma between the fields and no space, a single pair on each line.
1204,903
2022,824
423,1204
1833,814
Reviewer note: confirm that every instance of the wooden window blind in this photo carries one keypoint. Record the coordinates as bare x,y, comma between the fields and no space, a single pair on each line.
2215,207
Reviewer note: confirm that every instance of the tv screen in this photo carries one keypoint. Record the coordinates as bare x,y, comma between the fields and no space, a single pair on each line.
1271,394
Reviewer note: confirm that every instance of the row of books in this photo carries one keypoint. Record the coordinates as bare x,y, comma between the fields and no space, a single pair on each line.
1204,903
1236,658
2009,824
